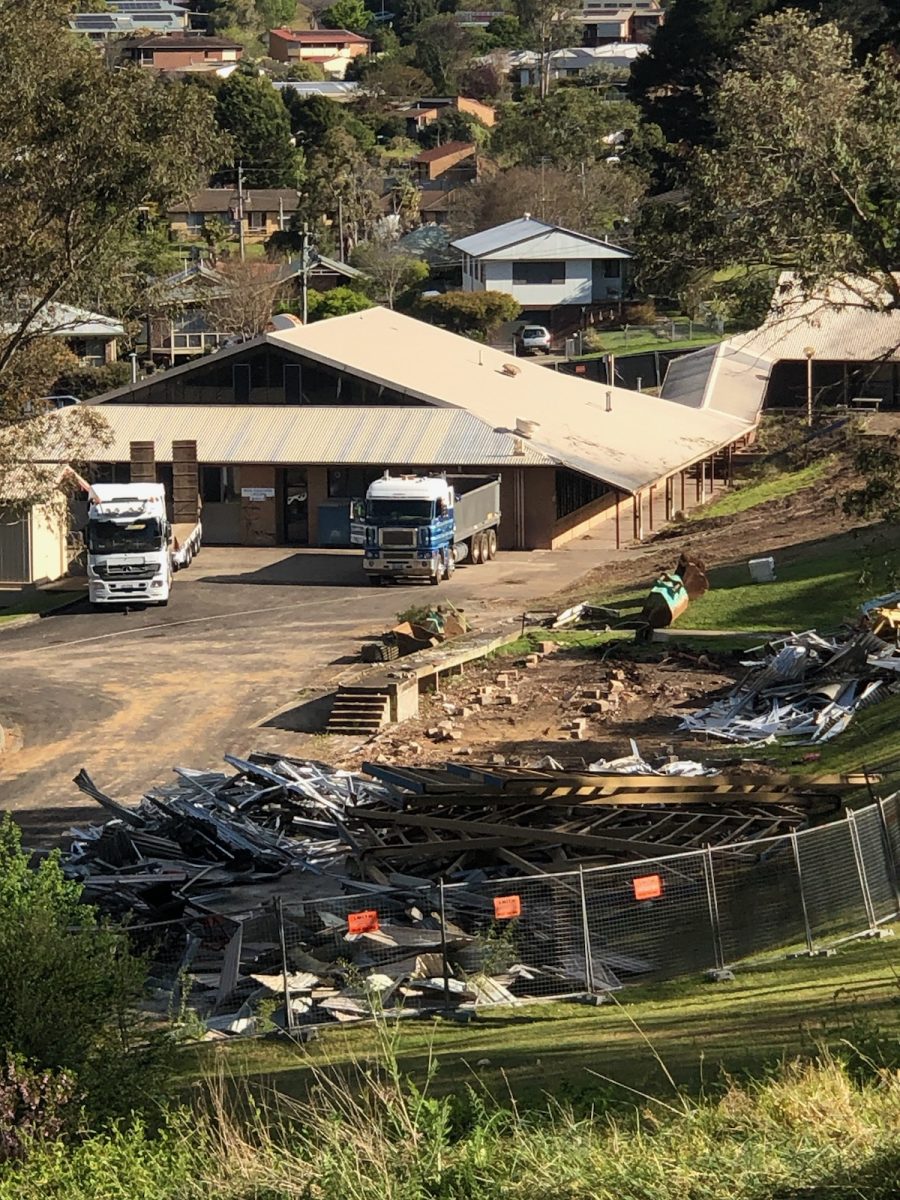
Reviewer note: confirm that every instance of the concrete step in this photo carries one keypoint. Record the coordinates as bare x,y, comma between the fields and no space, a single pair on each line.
358,713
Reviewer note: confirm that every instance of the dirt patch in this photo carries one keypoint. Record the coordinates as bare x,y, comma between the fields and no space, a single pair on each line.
574,704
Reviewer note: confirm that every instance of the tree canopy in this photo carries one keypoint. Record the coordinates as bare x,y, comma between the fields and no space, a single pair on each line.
805,171
82,150
250,110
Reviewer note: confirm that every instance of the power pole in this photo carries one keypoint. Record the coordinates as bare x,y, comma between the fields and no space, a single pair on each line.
240,207
341,227
304,272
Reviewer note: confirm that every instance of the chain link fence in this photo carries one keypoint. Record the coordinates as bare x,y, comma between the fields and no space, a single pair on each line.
422,946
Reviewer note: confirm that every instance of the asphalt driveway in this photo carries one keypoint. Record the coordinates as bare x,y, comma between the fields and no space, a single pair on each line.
129,694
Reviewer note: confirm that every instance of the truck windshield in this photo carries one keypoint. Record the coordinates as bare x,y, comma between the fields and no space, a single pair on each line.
399,512
137,537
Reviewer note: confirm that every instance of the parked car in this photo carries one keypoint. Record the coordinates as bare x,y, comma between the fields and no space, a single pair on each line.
533,339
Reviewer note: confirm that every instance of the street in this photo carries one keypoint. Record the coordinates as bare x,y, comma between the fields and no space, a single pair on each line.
129,694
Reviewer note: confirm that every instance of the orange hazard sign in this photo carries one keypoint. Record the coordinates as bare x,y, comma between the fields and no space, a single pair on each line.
363,922
647,887
506,907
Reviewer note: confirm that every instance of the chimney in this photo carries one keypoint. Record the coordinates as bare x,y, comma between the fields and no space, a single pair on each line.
143,462
185,483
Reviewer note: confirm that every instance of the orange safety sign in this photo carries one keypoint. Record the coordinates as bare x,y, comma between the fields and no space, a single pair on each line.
507,907
647,887
363,922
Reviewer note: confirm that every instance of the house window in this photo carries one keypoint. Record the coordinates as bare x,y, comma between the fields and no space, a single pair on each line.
542,273
612,268
218,485
195,220
240,383
258,220
293,383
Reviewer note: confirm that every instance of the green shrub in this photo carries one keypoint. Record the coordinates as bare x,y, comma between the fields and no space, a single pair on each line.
69,984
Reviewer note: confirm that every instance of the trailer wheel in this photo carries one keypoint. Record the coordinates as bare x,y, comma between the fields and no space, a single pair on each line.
492,544
475,552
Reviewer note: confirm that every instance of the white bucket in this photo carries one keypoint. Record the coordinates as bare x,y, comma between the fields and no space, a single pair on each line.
762,570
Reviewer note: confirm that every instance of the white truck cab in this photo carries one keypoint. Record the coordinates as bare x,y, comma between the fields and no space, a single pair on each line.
129,544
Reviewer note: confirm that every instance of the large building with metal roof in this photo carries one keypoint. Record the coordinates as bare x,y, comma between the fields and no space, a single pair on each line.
837,346
301,419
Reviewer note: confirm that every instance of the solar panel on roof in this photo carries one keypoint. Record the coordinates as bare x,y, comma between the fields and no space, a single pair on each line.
90,21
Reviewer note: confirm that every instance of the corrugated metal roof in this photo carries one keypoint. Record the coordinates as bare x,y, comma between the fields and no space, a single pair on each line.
499,236
62,320
360,436
334,88
525,229
846,322
721,378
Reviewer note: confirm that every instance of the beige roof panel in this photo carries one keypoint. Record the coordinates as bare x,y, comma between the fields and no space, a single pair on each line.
638,441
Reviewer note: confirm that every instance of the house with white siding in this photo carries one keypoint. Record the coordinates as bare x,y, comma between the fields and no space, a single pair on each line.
554,273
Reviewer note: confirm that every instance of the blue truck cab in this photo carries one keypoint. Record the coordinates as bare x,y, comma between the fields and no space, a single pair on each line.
421,526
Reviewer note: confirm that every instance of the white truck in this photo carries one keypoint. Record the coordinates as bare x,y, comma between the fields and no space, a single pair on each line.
132,548
421,526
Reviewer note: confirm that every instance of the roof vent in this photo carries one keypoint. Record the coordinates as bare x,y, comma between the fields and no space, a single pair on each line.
526,429
609,399
527,216
510,369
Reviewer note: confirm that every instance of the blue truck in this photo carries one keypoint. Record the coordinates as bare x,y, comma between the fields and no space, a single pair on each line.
421,526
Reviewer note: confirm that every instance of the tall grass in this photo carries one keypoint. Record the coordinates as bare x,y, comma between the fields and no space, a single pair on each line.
812,1129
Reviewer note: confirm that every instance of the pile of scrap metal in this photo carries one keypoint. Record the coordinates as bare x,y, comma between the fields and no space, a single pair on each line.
666,601
433,627
882,616
331,894
804,687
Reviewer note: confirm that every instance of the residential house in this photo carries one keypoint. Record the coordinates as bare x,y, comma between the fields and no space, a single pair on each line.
332,49
181,324
446,166
178,52
291,426
524,66
341,90
266,211
90,336
130,18
560,277
608,21
427,110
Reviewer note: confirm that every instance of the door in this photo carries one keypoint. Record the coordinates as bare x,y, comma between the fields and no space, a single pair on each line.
296,508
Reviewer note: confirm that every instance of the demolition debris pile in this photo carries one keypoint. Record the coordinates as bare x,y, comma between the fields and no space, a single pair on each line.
805,687
333,894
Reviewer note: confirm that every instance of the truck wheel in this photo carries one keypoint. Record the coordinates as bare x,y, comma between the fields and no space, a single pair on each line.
475,552
492,544
375,580
435,579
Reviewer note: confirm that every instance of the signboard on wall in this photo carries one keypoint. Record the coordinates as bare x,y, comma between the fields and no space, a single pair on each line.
258,493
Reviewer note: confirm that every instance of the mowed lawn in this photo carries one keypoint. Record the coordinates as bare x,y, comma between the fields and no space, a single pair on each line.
818,585
692,1030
